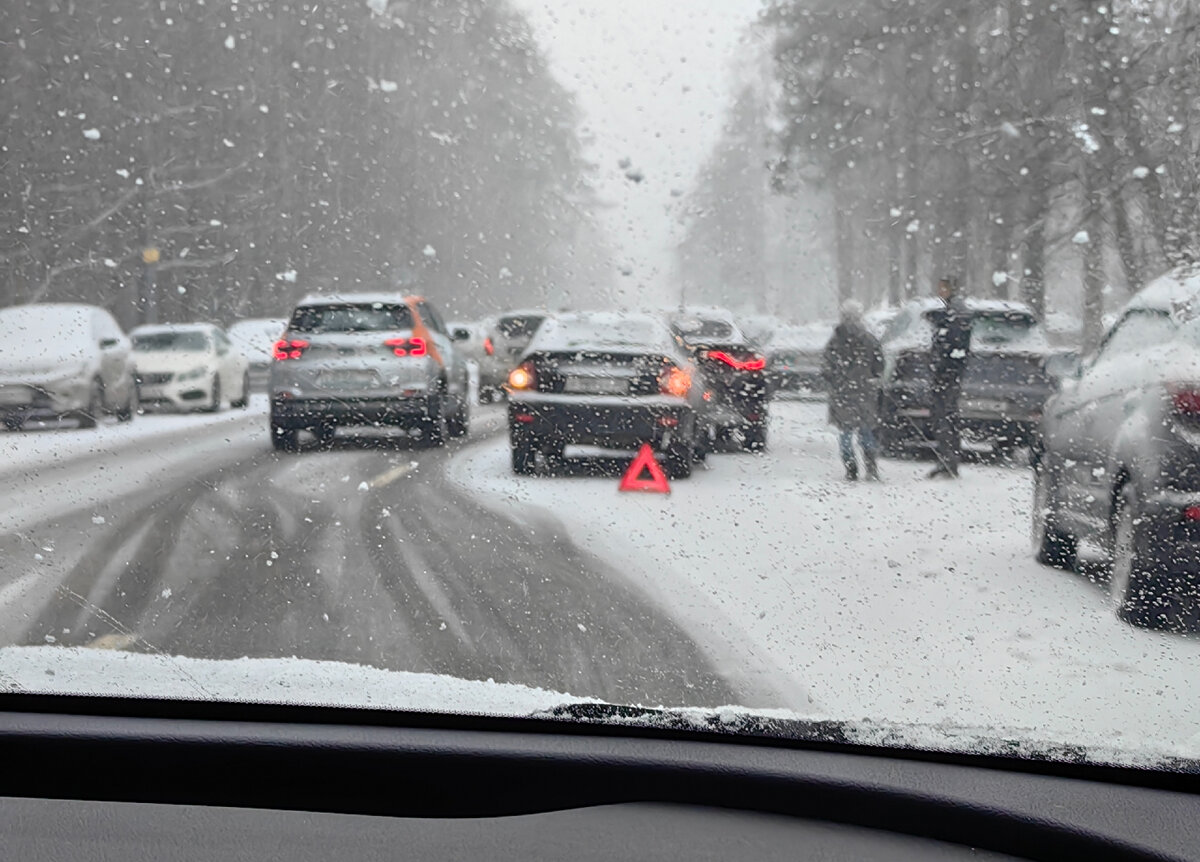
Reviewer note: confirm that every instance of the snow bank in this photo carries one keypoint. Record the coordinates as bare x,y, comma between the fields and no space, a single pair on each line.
63,670
911,602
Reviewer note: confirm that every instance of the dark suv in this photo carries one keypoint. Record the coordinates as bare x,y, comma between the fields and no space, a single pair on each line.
735,370
1005,382
1119,461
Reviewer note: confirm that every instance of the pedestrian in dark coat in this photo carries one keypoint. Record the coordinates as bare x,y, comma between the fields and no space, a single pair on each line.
852,366
948,355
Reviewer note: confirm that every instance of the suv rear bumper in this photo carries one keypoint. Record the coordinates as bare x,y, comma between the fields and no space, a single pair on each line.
309,412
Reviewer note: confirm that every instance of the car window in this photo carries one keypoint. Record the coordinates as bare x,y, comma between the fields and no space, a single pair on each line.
431,318
187,342
521,326
367,317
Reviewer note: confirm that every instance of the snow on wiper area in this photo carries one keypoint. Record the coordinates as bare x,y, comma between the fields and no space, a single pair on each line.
783,725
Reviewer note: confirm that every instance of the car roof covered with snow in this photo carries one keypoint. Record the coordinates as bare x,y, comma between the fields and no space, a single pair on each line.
704,324
602,330
47,318
157,328
365,298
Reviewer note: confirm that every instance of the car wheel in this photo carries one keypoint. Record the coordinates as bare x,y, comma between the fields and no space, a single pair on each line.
1051,545
458,424
435,422
14,422
754,437
678,459
284,439
524,456
90,415
244,401
214,403
1136,597
325,433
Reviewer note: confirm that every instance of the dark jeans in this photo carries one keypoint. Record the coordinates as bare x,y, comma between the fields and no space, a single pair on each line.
947,433
866,438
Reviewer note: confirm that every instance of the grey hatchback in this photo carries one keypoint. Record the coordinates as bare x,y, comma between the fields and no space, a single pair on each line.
366,359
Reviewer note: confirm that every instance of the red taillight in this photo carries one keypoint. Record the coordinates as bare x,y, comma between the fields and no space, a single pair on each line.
675,381
407,346
289,348
1191,513
488,347
754,363
1186,399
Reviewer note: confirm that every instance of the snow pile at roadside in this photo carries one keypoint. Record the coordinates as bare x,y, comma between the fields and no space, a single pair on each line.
910,602
69,670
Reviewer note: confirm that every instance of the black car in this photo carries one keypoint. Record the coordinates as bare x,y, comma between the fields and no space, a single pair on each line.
794,355
1005,383
735,369
1119,462
609,380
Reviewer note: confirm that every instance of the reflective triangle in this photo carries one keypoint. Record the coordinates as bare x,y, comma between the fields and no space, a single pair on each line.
644,463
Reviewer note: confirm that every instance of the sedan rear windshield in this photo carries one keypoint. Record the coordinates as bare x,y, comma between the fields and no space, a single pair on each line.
694,329
372,317
519,327
182,341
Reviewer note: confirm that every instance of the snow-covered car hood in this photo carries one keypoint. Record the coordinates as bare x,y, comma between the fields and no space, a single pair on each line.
171,360
44,357
112,672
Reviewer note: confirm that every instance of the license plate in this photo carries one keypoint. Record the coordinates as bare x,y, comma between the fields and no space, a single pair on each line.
598,385
11,395
984,405
348,380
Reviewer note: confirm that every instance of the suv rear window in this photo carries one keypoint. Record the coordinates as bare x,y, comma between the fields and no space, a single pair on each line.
373,317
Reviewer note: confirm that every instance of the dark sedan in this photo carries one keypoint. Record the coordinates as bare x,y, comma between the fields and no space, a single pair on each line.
1119,462
607,380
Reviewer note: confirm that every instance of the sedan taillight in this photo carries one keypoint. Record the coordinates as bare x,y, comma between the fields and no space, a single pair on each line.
752,362
290,348
522,377
675,381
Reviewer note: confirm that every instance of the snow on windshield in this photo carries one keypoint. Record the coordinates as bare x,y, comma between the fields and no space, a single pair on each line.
824,357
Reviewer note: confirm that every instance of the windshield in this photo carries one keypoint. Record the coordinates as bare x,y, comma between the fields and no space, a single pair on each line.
785,392
181,341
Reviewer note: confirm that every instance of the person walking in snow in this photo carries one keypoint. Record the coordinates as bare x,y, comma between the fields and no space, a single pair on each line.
949,351
852,366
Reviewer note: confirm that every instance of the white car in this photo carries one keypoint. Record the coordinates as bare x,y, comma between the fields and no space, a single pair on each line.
190,366
256,338
63,359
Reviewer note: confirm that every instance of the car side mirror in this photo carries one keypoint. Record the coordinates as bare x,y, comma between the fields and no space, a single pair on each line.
109,343
460,334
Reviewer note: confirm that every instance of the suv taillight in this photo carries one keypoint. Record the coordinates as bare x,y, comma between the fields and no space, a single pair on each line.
675,381
407,346
1185,398
290,348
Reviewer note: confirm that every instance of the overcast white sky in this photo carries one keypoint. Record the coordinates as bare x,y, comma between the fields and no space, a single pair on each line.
652,79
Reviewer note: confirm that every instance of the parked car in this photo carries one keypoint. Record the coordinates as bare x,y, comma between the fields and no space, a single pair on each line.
507,337
794,359
255,338
367,359
63,360
609,380
1005,382
189,366
1119,459
734,368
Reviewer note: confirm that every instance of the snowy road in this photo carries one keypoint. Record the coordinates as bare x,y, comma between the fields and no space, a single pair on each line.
764,580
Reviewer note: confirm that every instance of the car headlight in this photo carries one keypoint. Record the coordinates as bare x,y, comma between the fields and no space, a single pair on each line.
193,373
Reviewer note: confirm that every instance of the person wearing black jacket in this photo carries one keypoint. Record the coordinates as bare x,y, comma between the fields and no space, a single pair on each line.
852,366
950,349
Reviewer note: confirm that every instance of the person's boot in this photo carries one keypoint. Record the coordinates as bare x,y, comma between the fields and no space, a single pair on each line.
872,469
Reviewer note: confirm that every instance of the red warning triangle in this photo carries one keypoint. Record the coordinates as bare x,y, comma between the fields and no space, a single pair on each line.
645,462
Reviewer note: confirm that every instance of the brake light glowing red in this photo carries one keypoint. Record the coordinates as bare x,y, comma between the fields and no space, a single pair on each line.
1191,513
488,347
407,346
675,381
289,348
754,363
1186,399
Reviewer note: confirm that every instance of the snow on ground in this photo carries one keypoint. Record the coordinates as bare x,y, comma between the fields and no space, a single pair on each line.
909,601
288,680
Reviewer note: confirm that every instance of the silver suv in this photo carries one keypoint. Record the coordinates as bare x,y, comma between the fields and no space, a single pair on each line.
366,359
